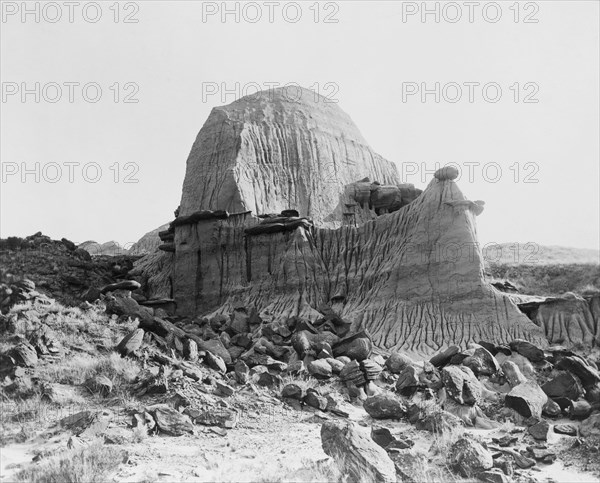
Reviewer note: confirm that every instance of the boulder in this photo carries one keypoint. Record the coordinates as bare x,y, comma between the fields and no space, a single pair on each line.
590,426
587,374
359,457
370,369
527,349
408,380
551,409
87,424
469,458
539,430
564,384
481,362
542,454
580,409
128,307
382,436
224,418
352,373
357,347
131,342
520,361
495,475
462,385
24,354
446,173
123,285
266,379
336,366
91,294
215,362
513,374
241,372
224,390
170,421
527,399
292,391
566,429
240,322
190,350
442,358
384,406
320,369
315,400
431,377
397,362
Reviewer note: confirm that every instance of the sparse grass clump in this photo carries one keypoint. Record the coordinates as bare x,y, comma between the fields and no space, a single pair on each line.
77,369
303,381
92,464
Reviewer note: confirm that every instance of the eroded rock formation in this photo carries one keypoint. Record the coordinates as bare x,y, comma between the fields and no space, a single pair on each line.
405,265
279,149
570,320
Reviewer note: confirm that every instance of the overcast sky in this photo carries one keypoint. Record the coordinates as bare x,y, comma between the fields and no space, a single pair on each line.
535,162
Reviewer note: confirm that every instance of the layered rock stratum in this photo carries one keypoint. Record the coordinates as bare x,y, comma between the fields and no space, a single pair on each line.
403,265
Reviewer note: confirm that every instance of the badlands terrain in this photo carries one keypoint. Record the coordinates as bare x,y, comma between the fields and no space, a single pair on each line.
304,316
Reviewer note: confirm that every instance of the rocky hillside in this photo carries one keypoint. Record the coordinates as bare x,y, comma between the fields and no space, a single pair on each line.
59,267
113,391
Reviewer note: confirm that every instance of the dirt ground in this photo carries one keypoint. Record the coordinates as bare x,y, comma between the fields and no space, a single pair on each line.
271,442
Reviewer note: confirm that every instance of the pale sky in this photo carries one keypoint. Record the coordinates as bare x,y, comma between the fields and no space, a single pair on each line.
172,58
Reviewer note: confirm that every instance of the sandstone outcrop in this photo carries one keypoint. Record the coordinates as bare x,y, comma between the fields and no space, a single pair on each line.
279,150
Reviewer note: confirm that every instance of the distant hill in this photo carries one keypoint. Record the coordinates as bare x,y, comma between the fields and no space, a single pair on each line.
111,248
544,270
149,242
535,254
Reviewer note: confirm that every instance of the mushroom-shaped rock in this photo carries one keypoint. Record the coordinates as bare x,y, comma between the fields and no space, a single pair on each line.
446,173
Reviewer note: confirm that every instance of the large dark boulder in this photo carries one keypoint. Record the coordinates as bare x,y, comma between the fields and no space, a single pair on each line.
384,406
527,349
587,374
564,384
356,347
